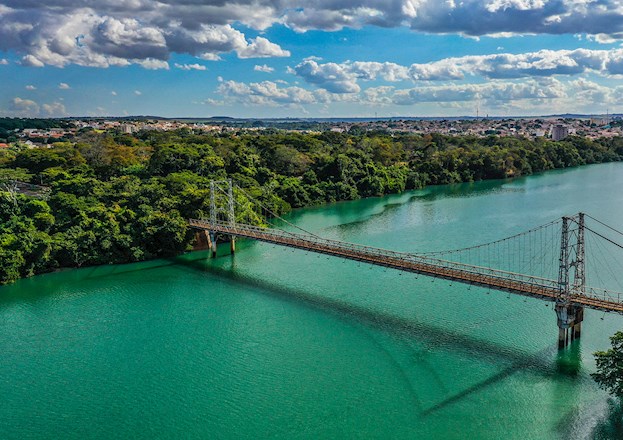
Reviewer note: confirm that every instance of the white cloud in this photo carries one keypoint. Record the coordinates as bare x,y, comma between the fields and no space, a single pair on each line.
103,33
522,96
347,77
23,107
210,57
64,86
190,66
467,17
214,102
372,70
491,93
521,5
29,108
263,68
4,62
260,47
152,64
31,61
265,93
331,76
379,95
113,93
56,109
30,87
138,92
604,38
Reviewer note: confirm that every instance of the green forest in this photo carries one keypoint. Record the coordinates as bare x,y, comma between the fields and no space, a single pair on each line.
116,198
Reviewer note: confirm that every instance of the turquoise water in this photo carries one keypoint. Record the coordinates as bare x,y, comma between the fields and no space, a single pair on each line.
282,344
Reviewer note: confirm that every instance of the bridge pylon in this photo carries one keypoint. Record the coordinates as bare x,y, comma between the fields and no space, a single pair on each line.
222,204
571,279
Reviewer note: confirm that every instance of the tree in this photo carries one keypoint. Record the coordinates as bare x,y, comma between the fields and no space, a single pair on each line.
8,183
121,198
609,375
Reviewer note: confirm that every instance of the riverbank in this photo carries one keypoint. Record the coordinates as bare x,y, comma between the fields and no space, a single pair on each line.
124,199
282,344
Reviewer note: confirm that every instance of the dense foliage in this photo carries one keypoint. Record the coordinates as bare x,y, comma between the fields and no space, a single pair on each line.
609,373
9,126
119,198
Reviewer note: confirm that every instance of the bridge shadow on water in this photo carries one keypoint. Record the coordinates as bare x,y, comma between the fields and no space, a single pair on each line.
548,362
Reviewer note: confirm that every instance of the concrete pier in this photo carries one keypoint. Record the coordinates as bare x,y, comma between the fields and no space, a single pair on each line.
232,245
202,241
569,323
213,244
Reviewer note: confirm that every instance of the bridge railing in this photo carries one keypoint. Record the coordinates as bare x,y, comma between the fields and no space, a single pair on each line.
600,294
529,283
369,251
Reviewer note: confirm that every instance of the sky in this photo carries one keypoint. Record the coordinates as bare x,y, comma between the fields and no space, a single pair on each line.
312,58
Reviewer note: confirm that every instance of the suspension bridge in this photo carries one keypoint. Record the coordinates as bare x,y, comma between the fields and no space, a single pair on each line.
548,262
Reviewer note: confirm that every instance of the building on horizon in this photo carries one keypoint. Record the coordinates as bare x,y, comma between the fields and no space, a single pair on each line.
559,132
128,129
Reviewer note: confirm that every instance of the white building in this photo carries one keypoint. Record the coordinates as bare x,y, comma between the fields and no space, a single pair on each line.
127,128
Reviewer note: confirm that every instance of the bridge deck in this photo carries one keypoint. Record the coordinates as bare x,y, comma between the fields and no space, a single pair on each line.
520,284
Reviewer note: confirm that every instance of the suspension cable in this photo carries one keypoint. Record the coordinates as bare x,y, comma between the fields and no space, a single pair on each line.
272,213
604,237
451,251
603,224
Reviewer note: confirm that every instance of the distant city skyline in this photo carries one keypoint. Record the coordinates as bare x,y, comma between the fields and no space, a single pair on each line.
320,58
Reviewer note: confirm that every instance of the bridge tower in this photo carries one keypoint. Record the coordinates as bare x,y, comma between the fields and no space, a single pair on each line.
571,279
219,190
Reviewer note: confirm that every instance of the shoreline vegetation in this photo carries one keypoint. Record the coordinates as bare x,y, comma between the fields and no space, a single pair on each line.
119,198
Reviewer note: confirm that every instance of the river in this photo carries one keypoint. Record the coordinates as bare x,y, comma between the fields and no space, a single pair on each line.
283,344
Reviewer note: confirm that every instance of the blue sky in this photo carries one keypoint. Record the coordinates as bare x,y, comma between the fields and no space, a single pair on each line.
318,58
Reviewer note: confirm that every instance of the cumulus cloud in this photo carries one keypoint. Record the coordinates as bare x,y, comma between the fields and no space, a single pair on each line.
333,77
102,33
29,108
4,62
605,38
55,109
346,77
491,93
23,107
260,47
152,64
64,86
214,102
263,68
343,78
143,32
30,87
468,17
265,93
541,63
31,61
125,38
191,66
526,96
138,92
